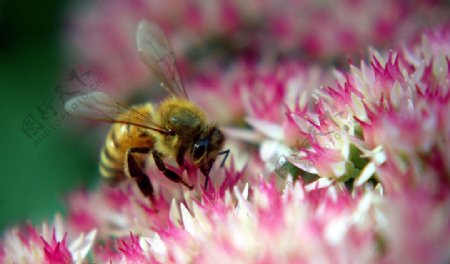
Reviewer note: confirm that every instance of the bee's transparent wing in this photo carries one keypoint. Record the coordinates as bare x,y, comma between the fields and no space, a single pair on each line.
157,53
99,106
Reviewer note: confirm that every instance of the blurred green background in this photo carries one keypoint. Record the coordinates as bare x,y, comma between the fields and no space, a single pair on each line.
35,178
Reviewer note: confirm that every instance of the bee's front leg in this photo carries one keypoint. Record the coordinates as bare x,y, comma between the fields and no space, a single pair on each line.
170,174
226,153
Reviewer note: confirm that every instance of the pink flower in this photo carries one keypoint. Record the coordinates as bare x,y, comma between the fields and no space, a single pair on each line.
57,251
257,224
365,158
46,245
244,28
415,227
390,111
252,90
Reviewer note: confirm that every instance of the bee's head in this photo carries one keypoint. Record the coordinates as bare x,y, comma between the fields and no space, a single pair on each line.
206,147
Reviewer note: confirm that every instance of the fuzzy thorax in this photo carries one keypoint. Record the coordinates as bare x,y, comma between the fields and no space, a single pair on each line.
182,117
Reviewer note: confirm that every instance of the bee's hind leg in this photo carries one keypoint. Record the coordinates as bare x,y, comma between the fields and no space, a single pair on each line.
170,174
134,167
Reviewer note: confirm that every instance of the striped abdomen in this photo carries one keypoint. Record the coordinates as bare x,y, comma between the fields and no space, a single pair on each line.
120,138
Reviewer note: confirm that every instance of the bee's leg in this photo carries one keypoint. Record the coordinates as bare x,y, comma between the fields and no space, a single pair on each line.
170,174
180,155
206,182
226,152
135,169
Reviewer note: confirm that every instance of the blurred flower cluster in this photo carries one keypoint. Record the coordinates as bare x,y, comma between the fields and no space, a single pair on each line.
208,35
349,164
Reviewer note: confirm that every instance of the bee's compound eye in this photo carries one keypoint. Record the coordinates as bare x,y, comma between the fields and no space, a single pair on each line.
199,150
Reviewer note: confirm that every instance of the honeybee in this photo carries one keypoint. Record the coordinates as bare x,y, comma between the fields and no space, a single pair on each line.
177,129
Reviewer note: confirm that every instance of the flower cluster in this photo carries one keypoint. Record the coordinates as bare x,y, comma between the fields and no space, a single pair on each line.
205,34
49,244
261,224
326,166
375,106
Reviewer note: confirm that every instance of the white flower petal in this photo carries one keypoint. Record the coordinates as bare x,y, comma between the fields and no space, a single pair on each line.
174,214
302,164
201,219
365,174
58,226
144,243
336,230
358,107
228,198
319,184
268,149
338,168
396,94
364,205
188,220
299,192
271,130
243,207
81,246
245,191
242,134
158,246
